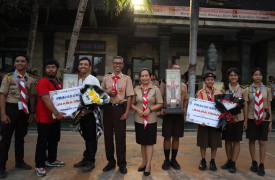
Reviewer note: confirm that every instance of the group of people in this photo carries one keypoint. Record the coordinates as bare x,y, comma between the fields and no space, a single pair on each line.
19,88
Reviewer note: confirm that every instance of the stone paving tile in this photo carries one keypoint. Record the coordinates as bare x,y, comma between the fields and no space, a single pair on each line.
71,147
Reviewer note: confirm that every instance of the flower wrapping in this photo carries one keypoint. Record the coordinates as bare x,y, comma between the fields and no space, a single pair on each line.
229,106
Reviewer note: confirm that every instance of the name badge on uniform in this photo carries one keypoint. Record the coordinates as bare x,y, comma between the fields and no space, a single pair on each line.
20,105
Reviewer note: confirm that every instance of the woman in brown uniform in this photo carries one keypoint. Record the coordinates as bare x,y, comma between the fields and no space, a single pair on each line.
208,136
234,132
146,101
259,120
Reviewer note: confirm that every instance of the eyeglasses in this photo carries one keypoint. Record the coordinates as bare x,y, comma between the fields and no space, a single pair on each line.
117,63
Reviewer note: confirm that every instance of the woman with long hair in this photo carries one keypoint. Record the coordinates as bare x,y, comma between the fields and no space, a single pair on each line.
234,131
259,118
146,101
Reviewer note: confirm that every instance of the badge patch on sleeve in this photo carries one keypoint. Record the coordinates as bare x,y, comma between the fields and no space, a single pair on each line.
4,83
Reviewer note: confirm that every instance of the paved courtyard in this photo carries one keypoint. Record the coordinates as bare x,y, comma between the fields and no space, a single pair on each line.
71,147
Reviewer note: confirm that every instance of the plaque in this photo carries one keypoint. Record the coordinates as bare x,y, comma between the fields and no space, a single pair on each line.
173,92
70,81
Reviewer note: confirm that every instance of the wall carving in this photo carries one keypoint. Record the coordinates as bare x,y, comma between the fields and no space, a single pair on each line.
143,51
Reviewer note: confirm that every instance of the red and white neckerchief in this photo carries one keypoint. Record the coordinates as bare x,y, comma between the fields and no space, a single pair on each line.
145,101
209,94
259,108
23,93
115,78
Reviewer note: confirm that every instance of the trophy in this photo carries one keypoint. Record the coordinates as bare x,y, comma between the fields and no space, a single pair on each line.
70,80
173,92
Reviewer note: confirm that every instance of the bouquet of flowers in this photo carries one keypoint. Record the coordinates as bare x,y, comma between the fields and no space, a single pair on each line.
229,106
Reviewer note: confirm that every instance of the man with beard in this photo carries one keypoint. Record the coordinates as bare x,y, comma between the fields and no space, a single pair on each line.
48,128
16,90
88,121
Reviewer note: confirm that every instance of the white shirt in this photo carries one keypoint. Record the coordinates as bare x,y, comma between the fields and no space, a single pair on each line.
89,80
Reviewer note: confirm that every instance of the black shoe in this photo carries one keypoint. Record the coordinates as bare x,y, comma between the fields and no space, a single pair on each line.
232,168
2,173
213,166
123,170
261,171
226,165
202,165
146,173
89,166
109,167
254,166
23,166
175,164
166,165
82,163
141,169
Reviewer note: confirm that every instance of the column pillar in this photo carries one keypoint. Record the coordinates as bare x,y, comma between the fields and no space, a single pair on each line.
163,55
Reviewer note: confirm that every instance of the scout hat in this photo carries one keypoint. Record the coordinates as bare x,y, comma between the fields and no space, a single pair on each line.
208,74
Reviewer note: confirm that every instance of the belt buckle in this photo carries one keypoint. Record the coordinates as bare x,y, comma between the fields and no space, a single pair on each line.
114,105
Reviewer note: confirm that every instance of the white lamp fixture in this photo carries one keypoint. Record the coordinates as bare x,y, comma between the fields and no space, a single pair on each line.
137,2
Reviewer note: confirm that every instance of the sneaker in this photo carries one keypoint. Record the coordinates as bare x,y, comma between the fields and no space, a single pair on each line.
166,164
56,163
82,163
89,166
254,166
2,173
23,166
202,165
261,171
226,165
213,166
232,168
40,172
175,164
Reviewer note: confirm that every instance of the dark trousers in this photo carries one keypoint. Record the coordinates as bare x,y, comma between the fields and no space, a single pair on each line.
88,127
19,124
48,138
112,123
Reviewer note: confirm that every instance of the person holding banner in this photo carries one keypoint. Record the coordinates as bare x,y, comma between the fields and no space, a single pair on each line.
88,121
48,128
208,137
172,126
120,88
259,118
145,102
234,131
16,90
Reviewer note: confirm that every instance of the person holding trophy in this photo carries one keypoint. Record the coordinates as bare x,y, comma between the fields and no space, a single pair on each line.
173,125
145,102
208,137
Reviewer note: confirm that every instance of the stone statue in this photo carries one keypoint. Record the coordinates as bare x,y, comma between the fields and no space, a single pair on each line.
210,60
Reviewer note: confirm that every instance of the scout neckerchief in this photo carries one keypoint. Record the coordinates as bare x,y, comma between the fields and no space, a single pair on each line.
22,84
233,91
115,78
258,106
209,94
145,101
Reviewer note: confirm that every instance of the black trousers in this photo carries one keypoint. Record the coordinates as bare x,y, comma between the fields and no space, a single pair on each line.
88,127
19,125
48,138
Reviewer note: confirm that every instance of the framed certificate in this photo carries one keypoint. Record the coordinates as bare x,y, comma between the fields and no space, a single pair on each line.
70,81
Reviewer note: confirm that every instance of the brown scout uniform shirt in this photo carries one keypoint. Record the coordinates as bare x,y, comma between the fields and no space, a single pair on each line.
124,87
154,97
267,96
184,95
7,87
155,83
241,92
269,83
205,96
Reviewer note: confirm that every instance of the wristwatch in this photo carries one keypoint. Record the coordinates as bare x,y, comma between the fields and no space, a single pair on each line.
150,109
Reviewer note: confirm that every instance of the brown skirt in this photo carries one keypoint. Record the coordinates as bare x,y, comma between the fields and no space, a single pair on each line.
173,125
208,137
233,132
257,132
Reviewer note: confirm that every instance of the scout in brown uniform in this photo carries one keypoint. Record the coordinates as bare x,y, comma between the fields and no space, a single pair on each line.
172,126
208,136
233,132
120,89
154,80
259,118
15,114
146,117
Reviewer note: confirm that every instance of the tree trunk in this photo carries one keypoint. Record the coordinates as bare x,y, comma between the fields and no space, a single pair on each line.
194,18
77,25
32,34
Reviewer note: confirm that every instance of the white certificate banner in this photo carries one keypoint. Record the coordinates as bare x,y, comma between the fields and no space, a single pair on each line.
66,100
201,111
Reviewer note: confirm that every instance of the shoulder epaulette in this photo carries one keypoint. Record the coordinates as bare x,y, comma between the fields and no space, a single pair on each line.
31,75
267,86
127,76
223,87
243,86
9,74
107,75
